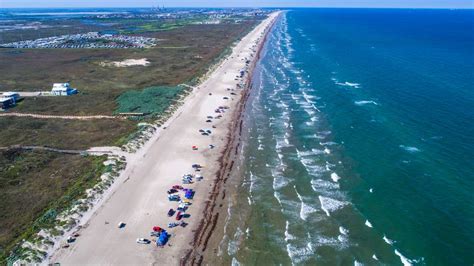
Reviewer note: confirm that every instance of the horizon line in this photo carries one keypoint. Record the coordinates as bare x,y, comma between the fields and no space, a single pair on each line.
249,7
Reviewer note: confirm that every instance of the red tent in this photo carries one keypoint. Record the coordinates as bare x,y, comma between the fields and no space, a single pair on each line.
157,229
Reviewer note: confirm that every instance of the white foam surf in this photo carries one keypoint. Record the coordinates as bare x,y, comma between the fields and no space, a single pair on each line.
360,103
252,183
387,240
328,143
343,231
314,136
368,224
320,185
277,197
346,84
288,236
329,205
405,260
233,245
410,149
305,209
335,177
279,181
311,152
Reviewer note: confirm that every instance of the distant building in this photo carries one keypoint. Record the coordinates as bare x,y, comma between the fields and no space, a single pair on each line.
6,103
62,89
10,94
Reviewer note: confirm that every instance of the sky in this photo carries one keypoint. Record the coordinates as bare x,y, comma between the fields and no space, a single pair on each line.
240,3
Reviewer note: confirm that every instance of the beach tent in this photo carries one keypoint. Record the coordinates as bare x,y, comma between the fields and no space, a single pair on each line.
162,239
189,194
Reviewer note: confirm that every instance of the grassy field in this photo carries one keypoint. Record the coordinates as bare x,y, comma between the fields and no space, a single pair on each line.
63,134
99,86
152,100
32,192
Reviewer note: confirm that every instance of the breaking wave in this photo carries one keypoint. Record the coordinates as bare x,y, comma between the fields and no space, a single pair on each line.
329,205
410,149
360,103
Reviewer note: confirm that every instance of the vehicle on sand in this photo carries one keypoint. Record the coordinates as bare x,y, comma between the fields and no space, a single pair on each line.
153,233
178,187
143,241
172,191
171,225
179,215
173,197
157,229
186,201
182,207
196,166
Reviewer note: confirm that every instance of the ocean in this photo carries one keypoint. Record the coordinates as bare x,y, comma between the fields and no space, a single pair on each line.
358,142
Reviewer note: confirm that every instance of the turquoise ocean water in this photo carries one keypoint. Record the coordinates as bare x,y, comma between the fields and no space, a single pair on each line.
359,142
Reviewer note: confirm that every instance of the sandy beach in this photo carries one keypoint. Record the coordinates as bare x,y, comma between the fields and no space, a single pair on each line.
139,197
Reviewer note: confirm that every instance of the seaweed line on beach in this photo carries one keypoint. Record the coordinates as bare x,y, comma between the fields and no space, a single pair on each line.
208,223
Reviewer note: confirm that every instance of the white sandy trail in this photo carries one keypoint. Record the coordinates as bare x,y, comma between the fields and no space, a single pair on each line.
66,117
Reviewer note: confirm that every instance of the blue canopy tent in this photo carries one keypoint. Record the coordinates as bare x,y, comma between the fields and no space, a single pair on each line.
189,194
162,239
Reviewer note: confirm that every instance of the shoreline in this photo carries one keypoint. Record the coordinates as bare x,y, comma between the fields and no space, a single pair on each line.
197,254
148,164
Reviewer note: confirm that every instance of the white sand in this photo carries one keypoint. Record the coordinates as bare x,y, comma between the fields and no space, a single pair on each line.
139,196
127,63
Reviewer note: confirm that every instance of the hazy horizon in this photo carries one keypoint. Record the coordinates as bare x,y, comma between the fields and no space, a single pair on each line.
457,4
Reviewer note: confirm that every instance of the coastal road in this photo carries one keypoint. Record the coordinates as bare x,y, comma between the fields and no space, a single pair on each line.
140,198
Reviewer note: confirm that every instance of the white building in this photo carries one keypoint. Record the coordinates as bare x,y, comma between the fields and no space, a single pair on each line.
62,89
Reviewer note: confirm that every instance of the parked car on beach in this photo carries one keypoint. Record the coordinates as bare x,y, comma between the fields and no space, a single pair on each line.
173,197
143,241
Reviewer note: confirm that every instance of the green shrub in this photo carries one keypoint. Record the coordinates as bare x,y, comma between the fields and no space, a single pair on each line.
153,100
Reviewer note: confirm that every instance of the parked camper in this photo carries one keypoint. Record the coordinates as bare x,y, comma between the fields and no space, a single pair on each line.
6,103
62,89
11,94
